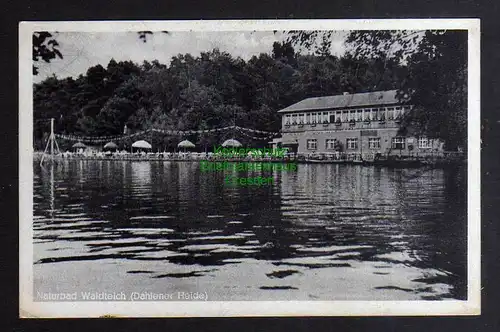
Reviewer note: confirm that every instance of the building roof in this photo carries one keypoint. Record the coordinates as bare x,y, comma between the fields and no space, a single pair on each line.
344,101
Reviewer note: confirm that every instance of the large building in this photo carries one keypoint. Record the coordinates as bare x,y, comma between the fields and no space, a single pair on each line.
361,123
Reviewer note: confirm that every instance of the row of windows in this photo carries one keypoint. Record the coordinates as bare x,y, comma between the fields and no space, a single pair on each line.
373,143
367,114
424,143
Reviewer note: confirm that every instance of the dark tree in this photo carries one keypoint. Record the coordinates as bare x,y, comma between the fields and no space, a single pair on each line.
143,35
45,47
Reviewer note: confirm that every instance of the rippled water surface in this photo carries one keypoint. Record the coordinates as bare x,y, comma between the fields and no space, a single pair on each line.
324,232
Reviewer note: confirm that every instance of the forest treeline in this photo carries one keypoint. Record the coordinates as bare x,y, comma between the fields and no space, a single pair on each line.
211,90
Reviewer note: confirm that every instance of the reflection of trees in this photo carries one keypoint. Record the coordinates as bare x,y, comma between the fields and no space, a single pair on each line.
186,175
433,209
337,186
332,205
350,205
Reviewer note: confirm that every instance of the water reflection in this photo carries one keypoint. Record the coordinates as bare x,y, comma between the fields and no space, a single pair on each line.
323,232
141,174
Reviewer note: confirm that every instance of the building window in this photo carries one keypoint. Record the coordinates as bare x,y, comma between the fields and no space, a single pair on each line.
312,144
424,143
330,143
390,113
398,143
366,115
307,118
294,119
352,115
360,115
397,113
344,116
287,119
352,143
301,118
374,143
313,118
381,114
374,114
325,117
338,116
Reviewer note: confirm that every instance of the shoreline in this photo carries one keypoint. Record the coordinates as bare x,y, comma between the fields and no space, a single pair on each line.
352,159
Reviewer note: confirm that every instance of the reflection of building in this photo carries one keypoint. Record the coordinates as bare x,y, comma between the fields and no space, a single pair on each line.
361,122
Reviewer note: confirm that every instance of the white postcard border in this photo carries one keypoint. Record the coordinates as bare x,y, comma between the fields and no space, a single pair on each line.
30,308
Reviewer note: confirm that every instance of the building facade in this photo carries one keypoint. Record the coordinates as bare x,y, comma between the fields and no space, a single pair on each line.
361,123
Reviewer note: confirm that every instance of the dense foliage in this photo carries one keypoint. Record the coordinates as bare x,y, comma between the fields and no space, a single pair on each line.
45,47
191,93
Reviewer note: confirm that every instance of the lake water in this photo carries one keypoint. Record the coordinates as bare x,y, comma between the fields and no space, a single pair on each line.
323,232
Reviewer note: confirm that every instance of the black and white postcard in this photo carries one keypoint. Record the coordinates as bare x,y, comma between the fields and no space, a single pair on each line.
249,168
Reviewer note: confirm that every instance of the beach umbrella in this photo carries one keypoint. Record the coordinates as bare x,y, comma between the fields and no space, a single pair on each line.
79,145
141,144
231,143
185,144
111,146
